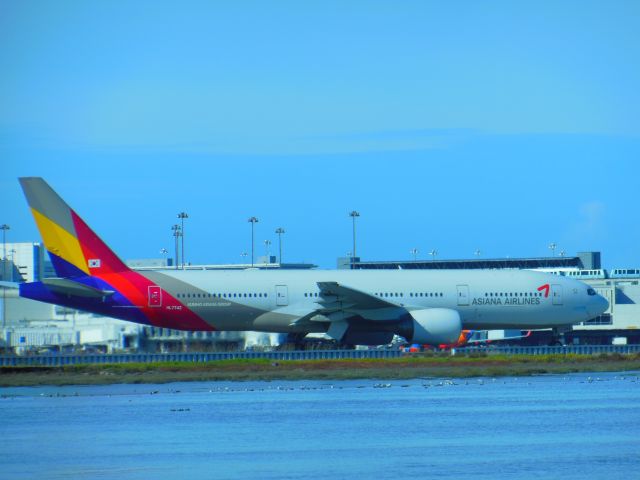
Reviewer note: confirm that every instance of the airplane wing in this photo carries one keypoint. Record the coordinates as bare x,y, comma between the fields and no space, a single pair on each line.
334,296
338,302
344,307
341,306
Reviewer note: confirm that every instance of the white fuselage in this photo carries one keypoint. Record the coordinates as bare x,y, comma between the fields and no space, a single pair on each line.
270,300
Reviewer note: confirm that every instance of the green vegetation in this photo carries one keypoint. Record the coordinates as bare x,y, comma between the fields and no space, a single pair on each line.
413,366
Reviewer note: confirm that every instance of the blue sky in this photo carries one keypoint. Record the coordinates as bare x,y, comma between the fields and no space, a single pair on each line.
499,126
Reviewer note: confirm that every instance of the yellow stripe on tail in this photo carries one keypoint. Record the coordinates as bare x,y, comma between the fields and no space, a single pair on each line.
60,242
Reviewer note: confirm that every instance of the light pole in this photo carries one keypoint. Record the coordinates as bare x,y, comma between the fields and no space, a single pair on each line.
182,216
477,253
164,252
176,233
562,253
280,231
244,257
13,261
353,214
552,247
414,251
267,244
433,254
253,221
4,227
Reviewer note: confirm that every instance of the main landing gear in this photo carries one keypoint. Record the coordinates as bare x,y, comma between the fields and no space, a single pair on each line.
558,336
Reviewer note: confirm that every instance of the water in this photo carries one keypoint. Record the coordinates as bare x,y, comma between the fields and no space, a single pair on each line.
570,427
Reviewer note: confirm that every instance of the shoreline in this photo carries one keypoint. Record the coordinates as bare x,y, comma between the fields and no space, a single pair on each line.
267,370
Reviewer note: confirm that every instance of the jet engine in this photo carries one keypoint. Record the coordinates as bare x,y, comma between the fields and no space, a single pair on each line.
432,326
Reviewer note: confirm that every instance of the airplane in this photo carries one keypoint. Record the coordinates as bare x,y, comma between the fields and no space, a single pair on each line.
462,340
466,338
361,307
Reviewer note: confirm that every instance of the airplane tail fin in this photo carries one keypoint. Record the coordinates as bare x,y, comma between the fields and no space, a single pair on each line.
75,250
91,277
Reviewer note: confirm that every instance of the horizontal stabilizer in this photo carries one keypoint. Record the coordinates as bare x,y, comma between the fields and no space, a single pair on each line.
65,286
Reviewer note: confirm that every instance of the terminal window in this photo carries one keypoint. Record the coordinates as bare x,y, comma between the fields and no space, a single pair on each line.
604,319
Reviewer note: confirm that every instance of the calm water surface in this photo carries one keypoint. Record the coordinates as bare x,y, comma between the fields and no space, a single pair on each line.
570,427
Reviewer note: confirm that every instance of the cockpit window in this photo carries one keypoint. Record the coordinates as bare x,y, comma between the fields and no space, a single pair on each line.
591,291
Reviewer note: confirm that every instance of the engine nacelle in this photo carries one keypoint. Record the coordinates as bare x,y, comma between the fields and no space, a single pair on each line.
433,326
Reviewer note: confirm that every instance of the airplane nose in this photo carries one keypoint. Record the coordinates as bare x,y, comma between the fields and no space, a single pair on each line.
605,303
599,305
